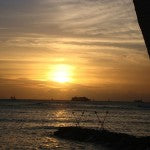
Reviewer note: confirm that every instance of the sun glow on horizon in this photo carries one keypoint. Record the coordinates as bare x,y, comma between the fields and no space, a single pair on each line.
61,73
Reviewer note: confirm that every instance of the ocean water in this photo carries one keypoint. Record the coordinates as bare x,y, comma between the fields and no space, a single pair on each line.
26,124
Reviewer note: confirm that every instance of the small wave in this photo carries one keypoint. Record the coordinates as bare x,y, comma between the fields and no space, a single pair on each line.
42,128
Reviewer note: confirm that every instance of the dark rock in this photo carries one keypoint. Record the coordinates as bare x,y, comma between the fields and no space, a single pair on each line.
114,140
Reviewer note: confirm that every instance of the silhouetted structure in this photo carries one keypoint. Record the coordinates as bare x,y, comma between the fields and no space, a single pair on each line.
84,99
142,8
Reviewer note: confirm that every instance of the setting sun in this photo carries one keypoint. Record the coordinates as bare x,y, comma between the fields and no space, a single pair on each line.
61,73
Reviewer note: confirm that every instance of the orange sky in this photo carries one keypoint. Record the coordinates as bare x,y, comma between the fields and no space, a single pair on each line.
64,48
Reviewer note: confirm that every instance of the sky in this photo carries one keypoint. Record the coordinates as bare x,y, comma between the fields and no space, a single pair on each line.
64,48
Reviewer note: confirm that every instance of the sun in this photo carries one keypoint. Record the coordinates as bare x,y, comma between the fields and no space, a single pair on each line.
61,73
61,76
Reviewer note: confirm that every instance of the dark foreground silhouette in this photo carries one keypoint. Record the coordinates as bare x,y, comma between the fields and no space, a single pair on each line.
142,8
113,140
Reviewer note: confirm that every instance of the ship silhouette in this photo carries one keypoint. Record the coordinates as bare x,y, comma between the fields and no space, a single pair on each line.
83,99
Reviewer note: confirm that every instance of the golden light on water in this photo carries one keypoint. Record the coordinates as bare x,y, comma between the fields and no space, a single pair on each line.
61,73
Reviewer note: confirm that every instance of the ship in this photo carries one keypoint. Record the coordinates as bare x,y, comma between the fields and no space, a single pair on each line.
81,99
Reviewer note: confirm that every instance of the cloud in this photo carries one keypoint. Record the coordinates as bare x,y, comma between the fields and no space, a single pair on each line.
100,38
27,21
72,18
41,24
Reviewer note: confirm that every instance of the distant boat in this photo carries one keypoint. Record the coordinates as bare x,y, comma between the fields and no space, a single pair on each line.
82,99
142,104
138,101
13,98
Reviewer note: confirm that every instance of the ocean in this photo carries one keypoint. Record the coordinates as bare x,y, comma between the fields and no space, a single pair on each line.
30,124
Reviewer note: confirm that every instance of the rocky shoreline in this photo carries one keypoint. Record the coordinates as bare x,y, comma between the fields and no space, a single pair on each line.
112,140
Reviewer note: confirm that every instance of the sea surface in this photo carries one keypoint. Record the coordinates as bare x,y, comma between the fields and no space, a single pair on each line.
30,124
